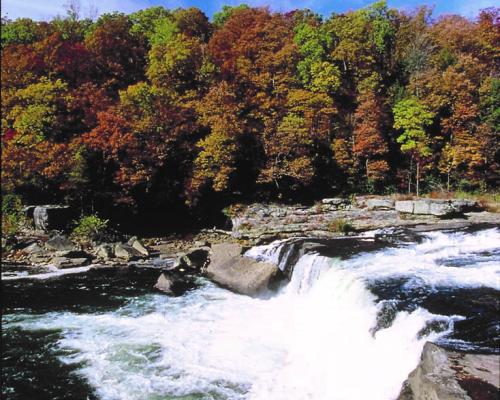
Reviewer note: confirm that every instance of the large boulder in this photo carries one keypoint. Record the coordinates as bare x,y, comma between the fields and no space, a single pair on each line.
241,274
33,248
137,244
49,217
59,243
174,283
127,252
69,262
104,251
448,375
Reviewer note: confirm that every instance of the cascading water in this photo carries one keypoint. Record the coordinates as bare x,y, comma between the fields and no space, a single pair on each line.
341,329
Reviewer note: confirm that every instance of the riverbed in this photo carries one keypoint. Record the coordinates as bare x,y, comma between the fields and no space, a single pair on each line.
343,327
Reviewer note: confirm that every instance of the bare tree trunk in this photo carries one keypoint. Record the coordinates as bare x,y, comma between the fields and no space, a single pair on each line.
418,179
409,176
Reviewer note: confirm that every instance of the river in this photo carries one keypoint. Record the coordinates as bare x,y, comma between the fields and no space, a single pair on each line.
350,327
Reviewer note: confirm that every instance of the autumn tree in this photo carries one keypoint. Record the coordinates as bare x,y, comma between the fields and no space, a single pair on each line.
217,162
370,145
118,56
294,148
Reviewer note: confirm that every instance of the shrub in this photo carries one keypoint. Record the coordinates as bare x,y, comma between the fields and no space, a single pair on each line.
90,228
340,225
12,215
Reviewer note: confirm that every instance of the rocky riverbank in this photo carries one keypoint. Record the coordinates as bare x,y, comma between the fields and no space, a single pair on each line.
335,217
223,257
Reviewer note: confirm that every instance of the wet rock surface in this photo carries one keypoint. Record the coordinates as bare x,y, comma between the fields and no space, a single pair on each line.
450,375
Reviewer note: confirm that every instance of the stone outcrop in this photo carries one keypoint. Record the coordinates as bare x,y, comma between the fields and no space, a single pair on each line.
435,207
380,204
336,203
241,274
266,222
50,217
449,375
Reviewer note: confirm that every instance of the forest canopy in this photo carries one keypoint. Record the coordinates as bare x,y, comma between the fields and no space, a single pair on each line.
167,108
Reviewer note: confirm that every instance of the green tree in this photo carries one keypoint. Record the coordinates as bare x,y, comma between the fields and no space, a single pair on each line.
20,31
38,110
316,70
412,117
222,16
144,22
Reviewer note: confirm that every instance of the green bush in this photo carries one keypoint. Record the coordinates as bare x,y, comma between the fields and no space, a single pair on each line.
90,228
13,218
340,225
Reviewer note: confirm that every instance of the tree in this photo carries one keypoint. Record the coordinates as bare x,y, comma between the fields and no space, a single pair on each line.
144,22
193,23
412,117
117,55
315,69
222,16
20,31
293,150
369,142
217,162
175,63
38,111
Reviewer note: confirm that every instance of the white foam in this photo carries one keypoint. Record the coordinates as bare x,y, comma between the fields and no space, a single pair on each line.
270,253
422,263
53,272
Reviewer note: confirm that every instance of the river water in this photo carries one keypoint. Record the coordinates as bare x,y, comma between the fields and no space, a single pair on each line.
349,327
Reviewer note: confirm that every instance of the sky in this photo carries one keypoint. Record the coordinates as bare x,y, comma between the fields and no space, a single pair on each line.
47,9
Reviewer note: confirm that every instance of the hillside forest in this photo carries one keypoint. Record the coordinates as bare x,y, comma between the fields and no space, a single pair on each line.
167,111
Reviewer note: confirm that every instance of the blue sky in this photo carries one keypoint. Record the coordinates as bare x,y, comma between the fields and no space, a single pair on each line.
46,9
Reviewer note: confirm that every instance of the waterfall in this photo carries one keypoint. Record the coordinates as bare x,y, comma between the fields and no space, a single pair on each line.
341,329
332,352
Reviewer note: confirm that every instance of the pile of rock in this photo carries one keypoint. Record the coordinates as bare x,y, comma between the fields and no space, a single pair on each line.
61,252
186,266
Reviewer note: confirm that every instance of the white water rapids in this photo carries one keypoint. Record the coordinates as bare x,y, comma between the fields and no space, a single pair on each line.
314,339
